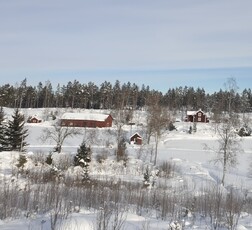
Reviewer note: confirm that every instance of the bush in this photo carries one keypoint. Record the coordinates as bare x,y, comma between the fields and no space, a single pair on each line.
49,159
121,153
62,161
21,161
38,157
244,131
171,126
190,130
100,158
166,169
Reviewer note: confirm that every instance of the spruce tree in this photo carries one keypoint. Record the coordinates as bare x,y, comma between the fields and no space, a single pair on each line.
16,132
83,159
2,131
83,155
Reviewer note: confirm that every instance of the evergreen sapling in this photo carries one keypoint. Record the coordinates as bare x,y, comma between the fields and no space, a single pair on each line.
83,159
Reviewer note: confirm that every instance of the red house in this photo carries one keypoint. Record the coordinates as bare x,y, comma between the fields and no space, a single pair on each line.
90,120
196,116
136,139
34,119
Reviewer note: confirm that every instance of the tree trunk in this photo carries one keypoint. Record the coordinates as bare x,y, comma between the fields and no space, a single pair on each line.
156,147
224,169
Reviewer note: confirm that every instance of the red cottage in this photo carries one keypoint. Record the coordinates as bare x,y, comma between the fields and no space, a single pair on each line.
89,120
136,139
196,116
34,119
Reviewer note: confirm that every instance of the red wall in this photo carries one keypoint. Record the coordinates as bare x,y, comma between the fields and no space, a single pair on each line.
88,123
197,117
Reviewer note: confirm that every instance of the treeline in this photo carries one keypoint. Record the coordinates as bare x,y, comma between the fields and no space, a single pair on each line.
114,96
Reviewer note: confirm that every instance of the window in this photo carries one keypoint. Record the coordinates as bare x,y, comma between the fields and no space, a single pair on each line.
199,118
199,114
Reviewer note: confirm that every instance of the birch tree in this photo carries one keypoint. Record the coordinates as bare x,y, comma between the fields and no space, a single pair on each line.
158,119
228,141
229,147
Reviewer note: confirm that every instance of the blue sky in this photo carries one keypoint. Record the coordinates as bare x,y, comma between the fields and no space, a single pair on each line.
158,43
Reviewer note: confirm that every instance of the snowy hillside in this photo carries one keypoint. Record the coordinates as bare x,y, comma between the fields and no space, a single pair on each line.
118,193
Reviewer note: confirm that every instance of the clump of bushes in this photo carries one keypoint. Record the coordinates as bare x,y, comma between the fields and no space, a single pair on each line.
244,131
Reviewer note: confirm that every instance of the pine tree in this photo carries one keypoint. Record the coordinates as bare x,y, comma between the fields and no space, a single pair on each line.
16,133
2,131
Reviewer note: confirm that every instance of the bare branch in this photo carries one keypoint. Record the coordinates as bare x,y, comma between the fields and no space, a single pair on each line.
58,134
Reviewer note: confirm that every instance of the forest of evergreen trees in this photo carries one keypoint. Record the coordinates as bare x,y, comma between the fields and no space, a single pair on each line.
116,95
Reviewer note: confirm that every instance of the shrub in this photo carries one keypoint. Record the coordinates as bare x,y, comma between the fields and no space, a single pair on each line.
244,131
100,158
21,161
121,151
49,159
166,169
171,126
38,157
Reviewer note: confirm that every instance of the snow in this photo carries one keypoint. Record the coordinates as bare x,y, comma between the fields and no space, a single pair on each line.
85,116
186,151
190,113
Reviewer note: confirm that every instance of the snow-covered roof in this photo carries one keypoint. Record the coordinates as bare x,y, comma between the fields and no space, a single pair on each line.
191,113
136,133
36,117
85,116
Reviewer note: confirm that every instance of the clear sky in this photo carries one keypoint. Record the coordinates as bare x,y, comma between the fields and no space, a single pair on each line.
160,43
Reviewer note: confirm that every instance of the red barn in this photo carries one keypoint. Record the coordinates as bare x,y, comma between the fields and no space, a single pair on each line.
196,116
90,120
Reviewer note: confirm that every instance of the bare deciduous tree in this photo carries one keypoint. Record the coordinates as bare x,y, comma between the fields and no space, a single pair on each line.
213,203
229,147
121,117
231,88
58,134
229,142
158,119
233,206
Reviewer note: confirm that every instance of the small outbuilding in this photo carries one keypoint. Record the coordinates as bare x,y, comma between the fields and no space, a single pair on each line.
34,119
196,116
136,139
89,120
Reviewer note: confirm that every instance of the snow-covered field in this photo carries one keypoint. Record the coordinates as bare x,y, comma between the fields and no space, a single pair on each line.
195,167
